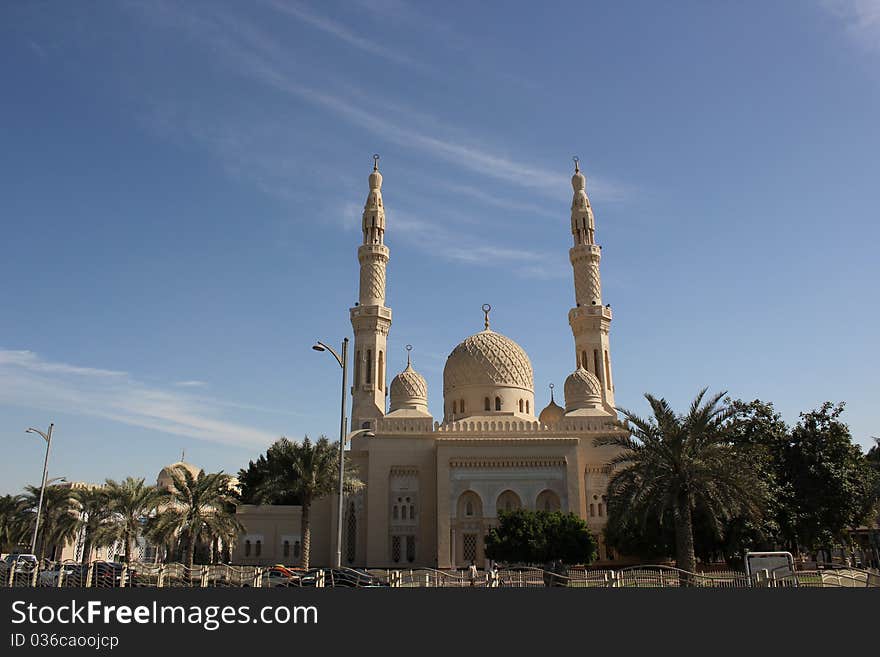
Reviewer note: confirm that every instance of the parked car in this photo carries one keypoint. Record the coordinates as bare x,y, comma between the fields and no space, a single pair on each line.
280,575
351,577
50,576
22,561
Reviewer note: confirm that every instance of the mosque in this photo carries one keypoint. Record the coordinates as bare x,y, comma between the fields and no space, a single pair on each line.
434,487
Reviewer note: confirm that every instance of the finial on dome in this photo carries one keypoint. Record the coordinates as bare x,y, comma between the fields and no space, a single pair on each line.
576,160
182,455
375,161
486,309
408,351
551,393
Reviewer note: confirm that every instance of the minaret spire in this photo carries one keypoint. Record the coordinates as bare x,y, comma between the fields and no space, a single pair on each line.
370,318
590,321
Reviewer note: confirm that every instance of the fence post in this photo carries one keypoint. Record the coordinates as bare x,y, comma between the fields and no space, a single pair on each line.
160,577
89,570
12,574
60,581
319,580
123,576
35,576
204,577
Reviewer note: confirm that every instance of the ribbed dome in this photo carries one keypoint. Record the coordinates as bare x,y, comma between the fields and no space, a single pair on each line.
407,388
582,390
488,359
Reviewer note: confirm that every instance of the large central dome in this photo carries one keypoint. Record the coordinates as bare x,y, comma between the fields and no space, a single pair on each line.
488,358
488,372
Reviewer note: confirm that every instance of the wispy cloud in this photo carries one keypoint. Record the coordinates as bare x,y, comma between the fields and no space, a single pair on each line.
861,19
191,384
341,32
523,262
260,57
30,381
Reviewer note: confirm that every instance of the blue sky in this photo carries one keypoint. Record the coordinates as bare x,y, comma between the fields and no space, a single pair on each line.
181,187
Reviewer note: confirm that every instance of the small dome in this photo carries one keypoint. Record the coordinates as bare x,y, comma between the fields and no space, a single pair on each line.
582,390
408,388
552,413
165,479
375,176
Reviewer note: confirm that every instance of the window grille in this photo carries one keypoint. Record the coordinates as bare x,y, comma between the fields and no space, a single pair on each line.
469,547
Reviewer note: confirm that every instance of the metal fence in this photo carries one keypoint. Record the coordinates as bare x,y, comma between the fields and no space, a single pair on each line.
100,574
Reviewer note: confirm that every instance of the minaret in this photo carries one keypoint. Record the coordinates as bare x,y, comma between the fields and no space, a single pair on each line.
590,321
370,319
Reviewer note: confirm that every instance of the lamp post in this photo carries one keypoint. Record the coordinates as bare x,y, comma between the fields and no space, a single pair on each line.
48,438
343,363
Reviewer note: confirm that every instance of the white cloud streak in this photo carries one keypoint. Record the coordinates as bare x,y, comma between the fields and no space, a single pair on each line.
259,57
30,381
861,19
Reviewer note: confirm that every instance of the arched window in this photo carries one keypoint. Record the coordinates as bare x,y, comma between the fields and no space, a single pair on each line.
487,404
607,371
410,548
461,405
381,370
527,406
247,548
394,512
508,501
597,364
258,548
584,362
469,505
592,510
412,511
395,549
498,403
520,405
357,369
286,548
548,501
368,378
454,408
296,549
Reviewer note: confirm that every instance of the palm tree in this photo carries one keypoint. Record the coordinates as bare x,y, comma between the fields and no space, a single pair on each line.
94,512
12,509
197,509
676,463
129,502
58,519
308,471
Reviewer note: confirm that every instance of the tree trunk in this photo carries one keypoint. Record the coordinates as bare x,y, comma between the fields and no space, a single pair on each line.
87,551
684,539
190,551
306,534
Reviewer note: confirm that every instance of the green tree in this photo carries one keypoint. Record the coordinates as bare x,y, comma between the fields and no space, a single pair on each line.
197,509
131,501
252,479
58,520
307,471
681,464
12,529
94,508
831,486
540,537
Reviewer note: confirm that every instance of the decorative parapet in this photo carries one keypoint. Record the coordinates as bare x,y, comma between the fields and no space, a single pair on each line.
508,462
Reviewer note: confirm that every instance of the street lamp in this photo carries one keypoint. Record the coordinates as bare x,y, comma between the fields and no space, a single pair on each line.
343,363
48,438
